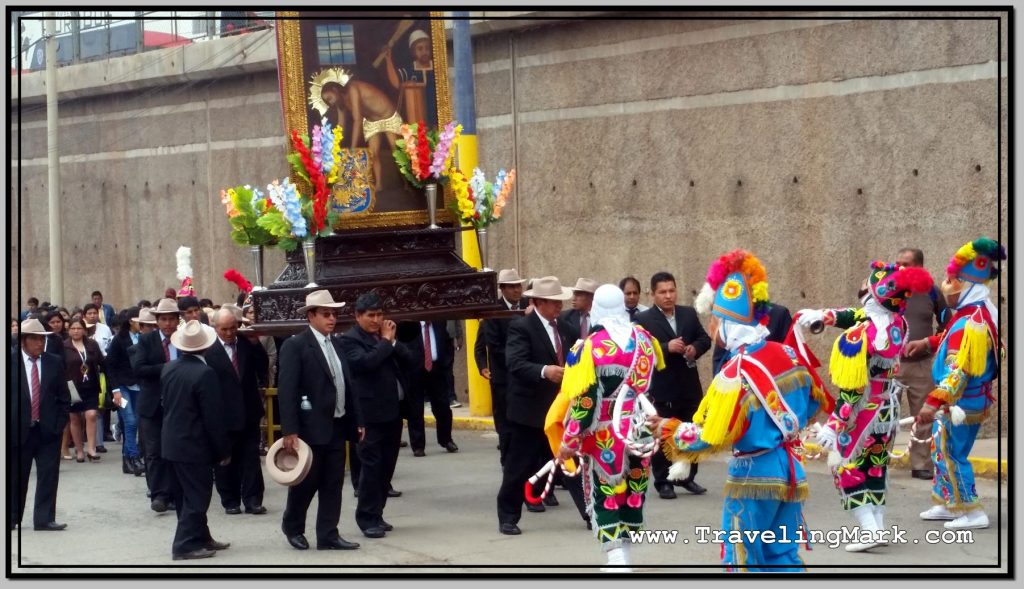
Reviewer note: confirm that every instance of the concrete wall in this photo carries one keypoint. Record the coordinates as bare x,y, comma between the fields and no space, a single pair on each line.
640,145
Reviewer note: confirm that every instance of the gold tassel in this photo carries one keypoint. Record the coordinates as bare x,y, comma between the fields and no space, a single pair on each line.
581,375
659,355
770,491
849,372
972,357
716,408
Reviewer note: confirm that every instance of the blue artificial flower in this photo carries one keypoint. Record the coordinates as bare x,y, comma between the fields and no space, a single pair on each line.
293,209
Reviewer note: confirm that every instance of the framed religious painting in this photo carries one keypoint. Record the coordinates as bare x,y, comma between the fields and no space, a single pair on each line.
368,73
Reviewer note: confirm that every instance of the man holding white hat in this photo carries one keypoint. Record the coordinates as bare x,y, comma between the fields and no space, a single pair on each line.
490,352
148,357
535,353
38,411
194,438
317,406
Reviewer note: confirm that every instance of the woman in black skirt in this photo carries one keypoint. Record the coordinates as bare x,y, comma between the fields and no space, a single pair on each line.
83,362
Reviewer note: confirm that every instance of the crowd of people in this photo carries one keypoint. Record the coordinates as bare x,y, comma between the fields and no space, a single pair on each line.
604,397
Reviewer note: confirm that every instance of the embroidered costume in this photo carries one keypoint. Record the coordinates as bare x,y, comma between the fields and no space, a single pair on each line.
966,363
757,405
602,403
865,359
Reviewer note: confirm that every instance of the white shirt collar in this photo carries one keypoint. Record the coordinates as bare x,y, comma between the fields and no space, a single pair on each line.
320,338
27,358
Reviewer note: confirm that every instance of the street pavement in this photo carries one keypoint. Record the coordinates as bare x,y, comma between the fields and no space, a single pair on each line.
445,522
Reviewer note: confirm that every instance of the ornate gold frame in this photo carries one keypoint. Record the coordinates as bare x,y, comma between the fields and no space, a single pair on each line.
293,96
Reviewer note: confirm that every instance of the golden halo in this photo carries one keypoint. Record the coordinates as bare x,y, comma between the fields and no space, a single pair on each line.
337,75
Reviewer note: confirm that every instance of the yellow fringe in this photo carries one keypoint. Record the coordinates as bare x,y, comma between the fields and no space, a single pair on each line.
716,409
849,373
658,354
579,377
775,491
942,395
972,357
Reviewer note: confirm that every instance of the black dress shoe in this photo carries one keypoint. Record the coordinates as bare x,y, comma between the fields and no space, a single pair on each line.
451,447
338,543
403,444
215,545
50,527
355,492
374,532
925,475
198,553
257,510
233,510
550,500
298,542
509,529
127,467
102,449
693,487
666,492
419,453
539,508
158,505
393,493
385,526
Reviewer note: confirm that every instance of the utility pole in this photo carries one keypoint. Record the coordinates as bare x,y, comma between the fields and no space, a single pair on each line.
53,164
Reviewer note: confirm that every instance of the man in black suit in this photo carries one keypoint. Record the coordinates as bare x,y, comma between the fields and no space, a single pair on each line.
575,323
193,438
148,358
38,412
676,390
489,352
430,341
779,320
380,365
238,362
535,352
318,404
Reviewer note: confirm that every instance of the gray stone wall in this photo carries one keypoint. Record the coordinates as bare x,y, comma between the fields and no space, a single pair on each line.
639,145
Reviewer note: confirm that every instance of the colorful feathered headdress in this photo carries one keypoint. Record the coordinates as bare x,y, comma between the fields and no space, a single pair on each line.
236,277
891,284
977,261
184,258
736,289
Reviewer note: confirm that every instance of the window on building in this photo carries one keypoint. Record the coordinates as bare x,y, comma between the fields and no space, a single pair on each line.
336,44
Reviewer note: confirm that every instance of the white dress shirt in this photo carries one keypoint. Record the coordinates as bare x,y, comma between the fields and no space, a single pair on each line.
28,371
334,363
174,351
552,334
671,319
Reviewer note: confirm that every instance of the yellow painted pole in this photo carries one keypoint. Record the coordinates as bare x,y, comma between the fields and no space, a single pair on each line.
479,387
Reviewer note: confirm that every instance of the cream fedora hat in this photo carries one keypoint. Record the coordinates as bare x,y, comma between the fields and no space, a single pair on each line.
548,287
320,298
289,467
32,327
194,337
165,307
586,285
510,276
145,316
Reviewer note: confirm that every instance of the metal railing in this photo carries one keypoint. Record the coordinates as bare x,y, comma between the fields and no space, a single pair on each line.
90,36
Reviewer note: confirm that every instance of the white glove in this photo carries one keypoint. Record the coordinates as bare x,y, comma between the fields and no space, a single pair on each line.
826,438
807,317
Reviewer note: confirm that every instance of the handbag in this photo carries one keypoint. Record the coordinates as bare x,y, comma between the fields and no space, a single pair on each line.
75,397
106,397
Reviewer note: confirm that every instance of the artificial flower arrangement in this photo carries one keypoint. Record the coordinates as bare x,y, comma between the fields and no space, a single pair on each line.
478,202
283,216
425,156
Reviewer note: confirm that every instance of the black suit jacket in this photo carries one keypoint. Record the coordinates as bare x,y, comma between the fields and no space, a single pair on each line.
193,421
147,360
489,350
304,372
779,322
442,339
243,403
569,325
527,351
54,398
117,365
677,382
377,369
